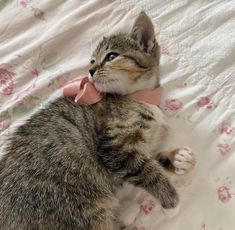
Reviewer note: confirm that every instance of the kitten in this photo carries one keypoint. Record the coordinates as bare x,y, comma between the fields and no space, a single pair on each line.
62,168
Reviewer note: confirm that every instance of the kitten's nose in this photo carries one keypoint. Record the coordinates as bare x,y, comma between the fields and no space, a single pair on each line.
92,71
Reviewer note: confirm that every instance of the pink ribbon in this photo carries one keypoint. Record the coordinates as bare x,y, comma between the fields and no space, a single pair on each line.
86,93
83,91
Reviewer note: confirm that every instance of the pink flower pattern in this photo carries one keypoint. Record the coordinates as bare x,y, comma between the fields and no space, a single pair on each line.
146,205
203,226
165,50
224,149
226,128
6,81
38,13
4,123
173,104
224,194
205,102
35,72
25,3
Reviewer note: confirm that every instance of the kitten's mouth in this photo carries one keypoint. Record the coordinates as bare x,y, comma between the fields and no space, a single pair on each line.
103,80
104,84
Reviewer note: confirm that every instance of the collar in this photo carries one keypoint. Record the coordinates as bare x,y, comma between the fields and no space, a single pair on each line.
86,93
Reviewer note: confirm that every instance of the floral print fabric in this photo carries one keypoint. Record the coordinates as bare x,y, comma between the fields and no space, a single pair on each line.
45,44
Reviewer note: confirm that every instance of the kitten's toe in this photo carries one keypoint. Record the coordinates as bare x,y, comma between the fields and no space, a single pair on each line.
169,213
184,160
170,203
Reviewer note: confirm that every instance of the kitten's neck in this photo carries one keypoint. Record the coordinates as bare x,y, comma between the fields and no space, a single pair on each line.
86,93
148,82
144,85
152,96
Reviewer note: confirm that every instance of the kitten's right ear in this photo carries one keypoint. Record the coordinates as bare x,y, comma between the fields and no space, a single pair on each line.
143,32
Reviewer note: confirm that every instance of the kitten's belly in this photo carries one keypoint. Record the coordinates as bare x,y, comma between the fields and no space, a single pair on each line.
158,132
156,136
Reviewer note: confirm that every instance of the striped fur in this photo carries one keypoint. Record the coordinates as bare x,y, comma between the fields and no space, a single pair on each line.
64,166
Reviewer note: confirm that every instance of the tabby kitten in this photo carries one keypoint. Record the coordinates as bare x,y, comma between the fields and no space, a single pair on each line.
63,167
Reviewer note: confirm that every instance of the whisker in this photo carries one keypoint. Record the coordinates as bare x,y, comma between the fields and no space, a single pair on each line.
102,72
101,75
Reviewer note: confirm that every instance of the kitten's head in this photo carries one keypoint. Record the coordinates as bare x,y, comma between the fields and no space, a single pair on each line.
125,63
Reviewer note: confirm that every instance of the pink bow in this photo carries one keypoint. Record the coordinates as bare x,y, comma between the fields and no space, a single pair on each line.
86,93
83,91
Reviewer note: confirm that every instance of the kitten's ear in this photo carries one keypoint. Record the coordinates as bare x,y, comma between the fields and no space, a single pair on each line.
143,32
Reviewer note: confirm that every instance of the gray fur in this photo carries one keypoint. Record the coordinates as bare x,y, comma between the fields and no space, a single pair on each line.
63,168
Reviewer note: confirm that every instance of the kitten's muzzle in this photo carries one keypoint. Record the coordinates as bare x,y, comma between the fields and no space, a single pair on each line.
92,72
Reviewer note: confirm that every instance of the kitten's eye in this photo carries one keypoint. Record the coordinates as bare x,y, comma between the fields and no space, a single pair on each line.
92,61
110,56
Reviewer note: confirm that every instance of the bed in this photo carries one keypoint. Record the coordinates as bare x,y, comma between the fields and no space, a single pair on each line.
44,44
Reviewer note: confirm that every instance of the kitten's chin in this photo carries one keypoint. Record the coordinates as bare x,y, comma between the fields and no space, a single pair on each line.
122,85
106,87
112,86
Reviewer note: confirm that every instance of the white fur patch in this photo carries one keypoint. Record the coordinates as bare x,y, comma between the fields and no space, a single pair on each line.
169,213
184,160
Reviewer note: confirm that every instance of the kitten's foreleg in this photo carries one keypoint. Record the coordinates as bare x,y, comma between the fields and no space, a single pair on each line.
147,173
137,168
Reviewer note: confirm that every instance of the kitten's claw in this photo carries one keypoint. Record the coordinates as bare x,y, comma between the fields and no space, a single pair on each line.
184,160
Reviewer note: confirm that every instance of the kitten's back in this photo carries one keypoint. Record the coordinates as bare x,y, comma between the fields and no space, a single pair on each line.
49,174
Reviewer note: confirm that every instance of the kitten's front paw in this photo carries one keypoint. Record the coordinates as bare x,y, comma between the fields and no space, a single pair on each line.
184,160
169,213
168,196
170,202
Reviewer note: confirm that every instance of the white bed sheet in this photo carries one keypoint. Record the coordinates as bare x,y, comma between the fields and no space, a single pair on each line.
44,44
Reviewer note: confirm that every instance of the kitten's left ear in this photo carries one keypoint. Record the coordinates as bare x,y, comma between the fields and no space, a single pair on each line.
143,32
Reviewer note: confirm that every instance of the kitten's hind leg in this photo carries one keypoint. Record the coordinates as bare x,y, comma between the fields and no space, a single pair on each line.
118,226
179,161
106,224
103,213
